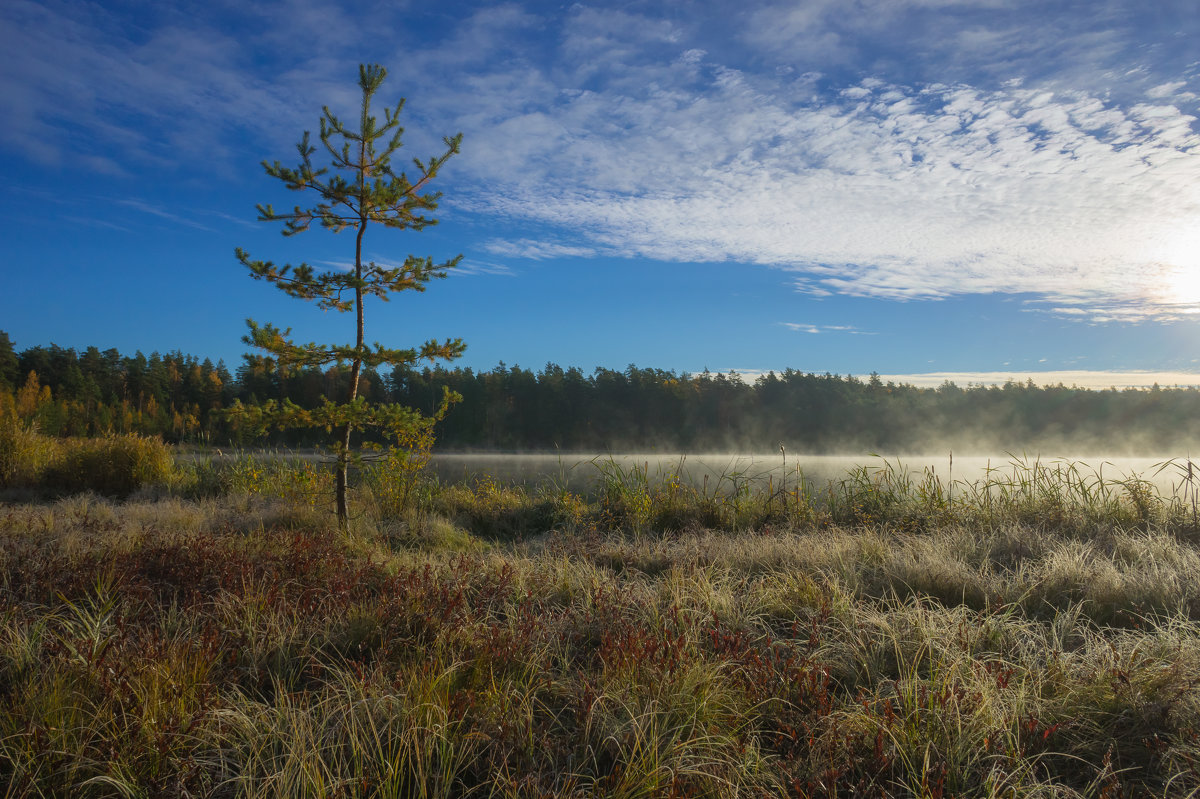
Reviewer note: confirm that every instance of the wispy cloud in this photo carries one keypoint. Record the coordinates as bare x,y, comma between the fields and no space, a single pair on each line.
341,266
152,210
537,249
878,190
81,89
804,327
1059,160
96,223
476,267
242,221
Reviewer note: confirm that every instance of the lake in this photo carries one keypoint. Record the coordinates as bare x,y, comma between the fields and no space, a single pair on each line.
725,472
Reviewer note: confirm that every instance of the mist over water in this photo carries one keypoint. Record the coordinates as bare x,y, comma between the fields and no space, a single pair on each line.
724,472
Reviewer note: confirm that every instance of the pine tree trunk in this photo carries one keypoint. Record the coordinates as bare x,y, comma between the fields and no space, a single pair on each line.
340,470
343,461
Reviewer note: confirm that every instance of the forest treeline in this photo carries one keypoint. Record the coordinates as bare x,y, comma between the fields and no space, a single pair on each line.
182,398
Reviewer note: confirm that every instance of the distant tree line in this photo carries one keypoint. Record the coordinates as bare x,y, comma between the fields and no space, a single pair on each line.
182,398
66,393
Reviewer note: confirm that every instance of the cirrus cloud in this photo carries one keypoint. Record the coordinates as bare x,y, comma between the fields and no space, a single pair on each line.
879,190
1053,154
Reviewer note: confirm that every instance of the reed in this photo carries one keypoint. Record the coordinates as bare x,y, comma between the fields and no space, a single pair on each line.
116,465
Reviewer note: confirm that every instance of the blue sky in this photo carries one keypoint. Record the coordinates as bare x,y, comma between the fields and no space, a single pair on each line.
956,188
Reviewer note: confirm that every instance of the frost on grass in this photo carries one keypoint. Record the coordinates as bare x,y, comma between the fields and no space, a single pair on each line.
648,640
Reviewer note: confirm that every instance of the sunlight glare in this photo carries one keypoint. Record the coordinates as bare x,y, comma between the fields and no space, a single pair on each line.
1180,276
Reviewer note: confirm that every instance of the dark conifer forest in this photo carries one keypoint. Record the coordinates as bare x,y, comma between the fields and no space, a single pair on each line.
182,398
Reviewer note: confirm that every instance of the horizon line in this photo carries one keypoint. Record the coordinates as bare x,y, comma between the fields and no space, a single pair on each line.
1071,378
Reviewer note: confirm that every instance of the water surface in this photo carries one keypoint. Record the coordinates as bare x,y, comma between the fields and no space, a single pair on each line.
717,471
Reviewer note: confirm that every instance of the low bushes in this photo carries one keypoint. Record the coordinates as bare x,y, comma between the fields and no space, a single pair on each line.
115,465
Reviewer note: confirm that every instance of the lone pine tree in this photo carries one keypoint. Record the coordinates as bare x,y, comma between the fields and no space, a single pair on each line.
359,188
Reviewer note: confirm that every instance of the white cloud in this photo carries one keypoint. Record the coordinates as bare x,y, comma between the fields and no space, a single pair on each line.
476,267
537,249
799,27
1165,90
340,266
887,191
804,327
1051,159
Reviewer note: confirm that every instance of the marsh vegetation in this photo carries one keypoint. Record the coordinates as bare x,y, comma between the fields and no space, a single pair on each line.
209,630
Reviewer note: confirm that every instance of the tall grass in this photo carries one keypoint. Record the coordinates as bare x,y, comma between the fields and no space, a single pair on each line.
117,465
1060,494
1037,633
